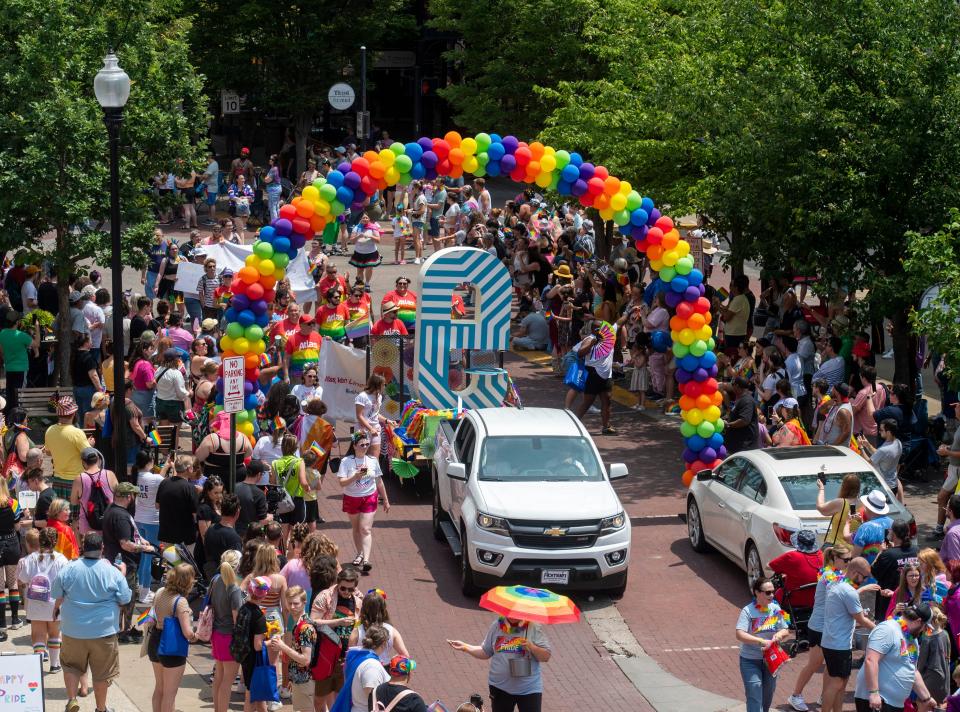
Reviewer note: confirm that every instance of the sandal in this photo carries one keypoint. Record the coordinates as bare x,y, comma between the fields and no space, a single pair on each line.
366,566
609,430
358,561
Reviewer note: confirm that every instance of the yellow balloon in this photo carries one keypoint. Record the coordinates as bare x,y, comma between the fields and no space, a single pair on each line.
712,413
625,187
266,267
392,176
252,260
322,208
656,265
548,162
704,333
694,416
686,337
226,343
544,180
549,151
279,273
245,428
257,347
606,214
470,164
670,258
310,193
468,146
387,157
618,201
241,345
682,248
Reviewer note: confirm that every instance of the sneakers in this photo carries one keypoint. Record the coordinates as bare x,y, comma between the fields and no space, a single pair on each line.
797,702
887,354
136,636
16,623
146,597
274,706
123,637
609,430
286,693
237,686
594,410
418,261
54,669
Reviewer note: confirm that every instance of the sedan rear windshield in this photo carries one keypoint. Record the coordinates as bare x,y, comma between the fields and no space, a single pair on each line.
537,458
802,489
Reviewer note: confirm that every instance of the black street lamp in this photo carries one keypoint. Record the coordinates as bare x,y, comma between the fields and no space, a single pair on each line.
112,88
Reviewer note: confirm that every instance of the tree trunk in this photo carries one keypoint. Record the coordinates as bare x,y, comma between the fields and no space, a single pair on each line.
62,375
301,128
735,260
904,349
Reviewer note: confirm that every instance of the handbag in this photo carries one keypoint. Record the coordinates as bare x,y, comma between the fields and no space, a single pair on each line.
576,375
172,640
205,623
263,682
279,500
335,461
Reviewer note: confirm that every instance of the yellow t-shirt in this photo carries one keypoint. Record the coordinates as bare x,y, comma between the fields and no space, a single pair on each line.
737,326
65,443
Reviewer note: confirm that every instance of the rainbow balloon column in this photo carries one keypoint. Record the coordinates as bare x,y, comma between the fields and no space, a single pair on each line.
351,183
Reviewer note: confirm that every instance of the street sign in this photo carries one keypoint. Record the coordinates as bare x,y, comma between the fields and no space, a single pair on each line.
341,96
229,102
233,369
363,124
395,59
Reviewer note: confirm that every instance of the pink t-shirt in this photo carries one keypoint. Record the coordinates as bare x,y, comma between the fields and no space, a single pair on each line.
296,574
86,482
142,374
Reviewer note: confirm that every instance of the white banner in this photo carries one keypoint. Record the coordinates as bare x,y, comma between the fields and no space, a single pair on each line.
21,683
343,374
233,256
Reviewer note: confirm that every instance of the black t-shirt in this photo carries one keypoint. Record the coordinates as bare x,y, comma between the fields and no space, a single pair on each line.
253,505
385,693
137,326
43,504
47,297
83,363
258,626
206,513
737,439
218,540
177,500
887,566
118,526
346,607
9,519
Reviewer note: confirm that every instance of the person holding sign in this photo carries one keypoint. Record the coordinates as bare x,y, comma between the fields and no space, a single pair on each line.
762,624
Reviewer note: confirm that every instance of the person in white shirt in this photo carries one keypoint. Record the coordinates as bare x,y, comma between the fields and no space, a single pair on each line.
173,398
362,481
147,516
28,292
95,320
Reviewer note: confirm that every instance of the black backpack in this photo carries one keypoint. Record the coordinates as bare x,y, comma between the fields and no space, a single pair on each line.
96,506
240,642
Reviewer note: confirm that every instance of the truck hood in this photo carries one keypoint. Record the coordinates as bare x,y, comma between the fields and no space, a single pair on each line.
554,501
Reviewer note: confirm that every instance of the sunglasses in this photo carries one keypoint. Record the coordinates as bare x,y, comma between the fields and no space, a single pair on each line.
769,592
346,589
847,561
362,444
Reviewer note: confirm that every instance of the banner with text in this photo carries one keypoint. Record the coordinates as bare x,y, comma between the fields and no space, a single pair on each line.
343,374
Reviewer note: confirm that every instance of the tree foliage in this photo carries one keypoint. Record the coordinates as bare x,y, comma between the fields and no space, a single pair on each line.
54,170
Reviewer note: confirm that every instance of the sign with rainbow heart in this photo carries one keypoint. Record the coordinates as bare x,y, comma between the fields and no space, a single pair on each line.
21,683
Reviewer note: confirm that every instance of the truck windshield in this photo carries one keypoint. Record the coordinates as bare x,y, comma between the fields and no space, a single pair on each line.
536,458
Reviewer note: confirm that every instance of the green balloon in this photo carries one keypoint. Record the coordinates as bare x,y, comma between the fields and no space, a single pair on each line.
217,409
281,259
555,180
234,330
711,344
328,192
705,429
397,148
563,158
319,182
698,348
633,200
667,273
403,163
243,416
263,250
684,265
718,426
687,430
405,179
621,217
483,158
253,333
483,142
480,172
336,208
679,350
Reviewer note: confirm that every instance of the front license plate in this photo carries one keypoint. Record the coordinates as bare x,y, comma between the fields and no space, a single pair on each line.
557,576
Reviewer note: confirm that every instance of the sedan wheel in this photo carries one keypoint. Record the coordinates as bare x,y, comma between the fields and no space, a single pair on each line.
754,565
695,527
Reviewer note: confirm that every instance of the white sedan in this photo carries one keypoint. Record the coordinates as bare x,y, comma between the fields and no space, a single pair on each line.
750,504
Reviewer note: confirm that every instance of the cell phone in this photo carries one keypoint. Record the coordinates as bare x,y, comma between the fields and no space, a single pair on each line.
822,478
476,699
853,509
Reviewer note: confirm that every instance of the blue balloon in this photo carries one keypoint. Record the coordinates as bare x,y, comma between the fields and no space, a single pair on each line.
496,151
493,168
660,341
678,284
639,217
263,320
335,178
413,150
230,314
250,402
695,278
577,160
280,244
267,233
708,359
496,138
569,173
715,441
563,187
219,399
696,443
344,195
626,230
246,318
418,171
646,204
689,363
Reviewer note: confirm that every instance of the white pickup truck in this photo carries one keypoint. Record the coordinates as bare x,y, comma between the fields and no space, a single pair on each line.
522,497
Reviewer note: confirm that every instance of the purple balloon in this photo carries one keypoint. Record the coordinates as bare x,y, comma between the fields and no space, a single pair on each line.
247,387
640,233
689,455
425,143
722,452
586,171
653,217
352,180
297,241
258,306
508,163
431,173
219,385
578,188
429,159
673,299
240,301
510,144
683,375
283,227
702,290
344,168
708,454
701,375
691,294
712,371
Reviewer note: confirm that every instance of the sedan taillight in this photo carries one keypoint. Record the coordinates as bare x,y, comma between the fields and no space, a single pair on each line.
913,528
782,533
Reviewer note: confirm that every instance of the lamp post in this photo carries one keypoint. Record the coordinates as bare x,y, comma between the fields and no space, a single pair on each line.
363,98
112,88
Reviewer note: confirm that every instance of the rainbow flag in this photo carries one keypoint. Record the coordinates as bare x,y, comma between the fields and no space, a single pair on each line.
723,294
145,618
264,360
154,437
279,423
15,506
548,315
358,328
317,450
408,317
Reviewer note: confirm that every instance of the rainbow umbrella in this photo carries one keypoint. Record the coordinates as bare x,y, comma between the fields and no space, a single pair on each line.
537,605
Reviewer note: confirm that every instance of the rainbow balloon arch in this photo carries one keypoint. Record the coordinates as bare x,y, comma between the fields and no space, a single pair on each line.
351,183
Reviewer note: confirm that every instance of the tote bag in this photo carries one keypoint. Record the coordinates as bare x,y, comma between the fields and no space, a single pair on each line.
263,684
576,375
172,640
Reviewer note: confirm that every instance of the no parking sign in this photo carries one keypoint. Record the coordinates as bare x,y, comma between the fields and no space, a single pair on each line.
21,683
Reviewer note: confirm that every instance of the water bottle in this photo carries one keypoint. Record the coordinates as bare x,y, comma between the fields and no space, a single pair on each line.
117,561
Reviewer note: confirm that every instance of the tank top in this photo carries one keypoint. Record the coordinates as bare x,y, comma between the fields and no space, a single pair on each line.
837,523
388,652
86,481
218,461
831,426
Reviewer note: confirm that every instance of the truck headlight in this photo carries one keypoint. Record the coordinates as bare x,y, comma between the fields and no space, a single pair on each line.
613,524
492,524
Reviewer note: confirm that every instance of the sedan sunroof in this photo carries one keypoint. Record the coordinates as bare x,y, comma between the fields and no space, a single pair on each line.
803,452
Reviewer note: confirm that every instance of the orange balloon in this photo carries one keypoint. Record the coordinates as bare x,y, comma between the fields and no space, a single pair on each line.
227,354
704,402
687,403
687,477
305,209
251,360
296,200
453,138
611,186
602,202
249,275
654,252
717,397
707,318
696,321
677,324
536,150
670,240
533,168
317,222
456,171
268,281
377,169
456,156
371,156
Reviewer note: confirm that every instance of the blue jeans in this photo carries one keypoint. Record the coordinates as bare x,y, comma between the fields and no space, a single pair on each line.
83,396
194,309
273,203
758,684
150,532
150,288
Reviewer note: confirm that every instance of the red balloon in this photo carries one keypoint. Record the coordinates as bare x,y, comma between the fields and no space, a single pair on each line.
238,286
595,185
586,200
288,211
601,173
692,388
702,305
709,386
360,166
523,155
302,226
518,174
255,291
368,185
641,245
443,167
441,148
269,295
382,183
698,465
251,374
665,223
684,310
655,236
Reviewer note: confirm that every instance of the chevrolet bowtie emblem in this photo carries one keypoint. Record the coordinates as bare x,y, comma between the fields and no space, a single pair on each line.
554,531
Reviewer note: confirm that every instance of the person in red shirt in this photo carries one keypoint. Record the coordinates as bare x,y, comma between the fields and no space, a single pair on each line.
333,316
388,322
330,280
799,568
405,301
302,347
224,293
290,324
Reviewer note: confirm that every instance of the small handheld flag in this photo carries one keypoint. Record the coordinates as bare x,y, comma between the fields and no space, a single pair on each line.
264,360
144,618
279,423
723,294
154,437
317,450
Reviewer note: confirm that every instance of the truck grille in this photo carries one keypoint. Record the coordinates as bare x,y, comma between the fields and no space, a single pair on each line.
581,541
553,535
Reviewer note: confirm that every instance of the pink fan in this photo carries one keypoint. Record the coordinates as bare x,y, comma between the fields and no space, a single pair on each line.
607,338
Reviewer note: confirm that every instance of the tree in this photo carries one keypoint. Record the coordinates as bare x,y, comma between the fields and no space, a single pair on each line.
54,171
285,55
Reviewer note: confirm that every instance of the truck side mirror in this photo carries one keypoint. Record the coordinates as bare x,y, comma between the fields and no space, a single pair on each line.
617,470
705,475
457,471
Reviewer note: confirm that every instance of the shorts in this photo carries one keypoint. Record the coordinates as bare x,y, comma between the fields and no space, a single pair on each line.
863,705
61,489
434,230
101,655
220,645
360,505
171,410
839,662
312,508
953,479
296,515
167,661
418,223
322,688
303,693
211,196
9,549
815,637
596,384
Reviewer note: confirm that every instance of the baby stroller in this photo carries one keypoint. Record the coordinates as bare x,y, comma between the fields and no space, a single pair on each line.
179,554
799,615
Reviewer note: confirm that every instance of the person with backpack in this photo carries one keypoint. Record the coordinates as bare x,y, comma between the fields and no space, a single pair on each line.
171,636
395,695
36,572
362,672
249,637
299,655
337,607
289,472
92,491
10,516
